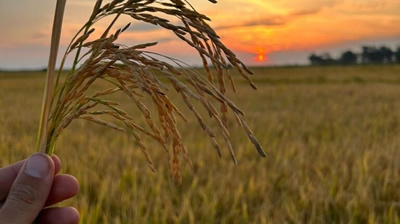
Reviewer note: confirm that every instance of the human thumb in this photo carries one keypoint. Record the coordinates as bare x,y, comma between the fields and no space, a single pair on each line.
30,190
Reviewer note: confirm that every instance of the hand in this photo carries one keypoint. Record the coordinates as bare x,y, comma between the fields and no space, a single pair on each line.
29,186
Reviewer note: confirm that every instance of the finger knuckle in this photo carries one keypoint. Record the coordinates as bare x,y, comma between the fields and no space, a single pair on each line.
22,194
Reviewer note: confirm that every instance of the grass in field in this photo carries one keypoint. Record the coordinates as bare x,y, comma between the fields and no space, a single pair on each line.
331,133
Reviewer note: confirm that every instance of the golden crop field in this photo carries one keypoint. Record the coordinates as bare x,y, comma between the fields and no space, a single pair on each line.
332,135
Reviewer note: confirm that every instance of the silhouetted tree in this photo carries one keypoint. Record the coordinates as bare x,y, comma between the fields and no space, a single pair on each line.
372,55
387,54
348,58
397,55
323,59
315,59
368,55
364,55
328,60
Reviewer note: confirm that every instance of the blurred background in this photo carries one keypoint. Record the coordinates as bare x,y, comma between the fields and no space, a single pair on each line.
261,32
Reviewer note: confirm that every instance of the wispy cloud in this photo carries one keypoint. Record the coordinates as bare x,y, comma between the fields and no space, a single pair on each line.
266,21
304,12
273,20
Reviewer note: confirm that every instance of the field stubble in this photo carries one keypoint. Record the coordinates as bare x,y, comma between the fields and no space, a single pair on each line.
331,135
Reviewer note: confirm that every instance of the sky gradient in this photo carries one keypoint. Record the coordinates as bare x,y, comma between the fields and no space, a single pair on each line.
261,32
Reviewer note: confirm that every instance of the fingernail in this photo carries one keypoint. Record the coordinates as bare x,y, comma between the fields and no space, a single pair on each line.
37,166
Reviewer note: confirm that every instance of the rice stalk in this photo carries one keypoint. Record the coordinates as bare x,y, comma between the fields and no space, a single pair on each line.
49,86
138,73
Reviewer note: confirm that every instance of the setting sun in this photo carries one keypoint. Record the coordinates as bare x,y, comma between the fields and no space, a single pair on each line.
261,55
260,58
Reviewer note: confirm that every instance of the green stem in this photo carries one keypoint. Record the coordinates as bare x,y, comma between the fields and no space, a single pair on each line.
42,144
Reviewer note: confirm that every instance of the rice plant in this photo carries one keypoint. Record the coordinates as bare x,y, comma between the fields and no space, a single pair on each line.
142,75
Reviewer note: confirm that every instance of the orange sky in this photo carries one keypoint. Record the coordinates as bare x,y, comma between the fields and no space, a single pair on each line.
281,31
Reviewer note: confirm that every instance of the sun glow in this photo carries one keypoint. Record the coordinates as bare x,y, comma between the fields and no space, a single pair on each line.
261,56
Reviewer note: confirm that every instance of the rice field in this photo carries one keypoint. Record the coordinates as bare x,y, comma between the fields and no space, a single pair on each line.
332,135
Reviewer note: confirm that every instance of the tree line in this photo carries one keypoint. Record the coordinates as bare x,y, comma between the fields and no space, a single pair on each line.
368,55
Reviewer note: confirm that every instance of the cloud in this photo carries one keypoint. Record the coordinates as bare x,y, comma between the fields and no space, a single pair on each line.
274,20
267,21
305,4
305,12
368,7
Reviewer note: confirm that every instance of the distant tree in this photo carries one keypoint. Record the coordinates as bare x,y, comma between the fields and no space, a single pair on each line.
397,55
315,59
387,54
364,55
368,55
372,55
323,59
348,58
327,59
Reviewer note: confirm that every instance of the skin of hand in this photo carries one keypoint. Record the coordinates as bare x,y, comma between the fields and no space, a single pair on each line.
29,186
